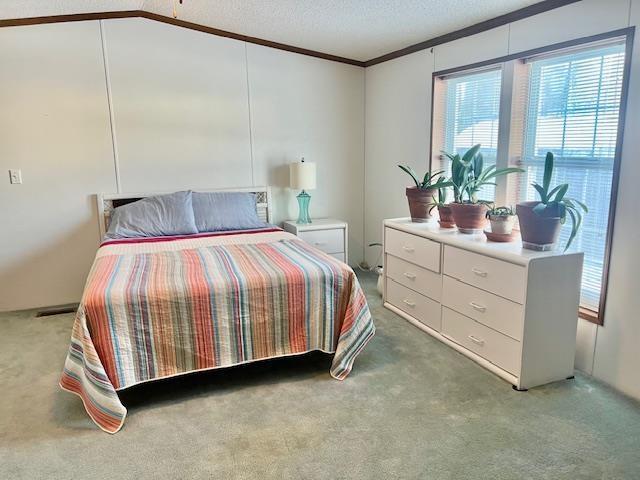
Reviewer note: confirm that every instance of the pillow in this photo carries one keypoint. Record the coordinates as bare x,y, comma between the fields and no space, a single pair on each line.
154,217
218,211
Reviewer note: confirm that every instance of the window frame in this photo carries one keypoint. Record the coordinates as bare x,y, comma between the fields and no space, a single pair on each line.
507,64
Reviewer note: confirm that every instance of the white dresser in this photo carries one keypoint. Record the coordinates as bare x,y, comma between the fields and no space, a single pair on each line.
513,311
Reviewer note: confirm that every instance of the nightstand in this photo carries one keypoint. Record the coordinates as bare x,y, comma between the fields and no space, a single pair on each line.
326,234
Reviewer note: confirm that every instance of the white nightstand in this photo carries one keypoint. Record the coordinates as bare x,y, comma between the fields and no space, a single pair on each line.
326,234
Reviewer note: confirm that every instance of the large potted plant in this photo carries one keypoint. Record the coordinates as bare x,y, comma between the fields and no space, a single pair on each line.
540,221
468,176
420,196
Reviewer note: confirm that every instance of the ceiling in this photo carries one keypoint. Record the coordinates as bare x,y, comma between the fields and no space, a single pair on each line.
356,29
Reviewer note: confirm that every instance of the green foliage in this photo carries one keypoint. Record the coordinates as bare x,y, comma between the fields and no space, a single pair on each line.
554,203
441,201
427,181
501,211
468,175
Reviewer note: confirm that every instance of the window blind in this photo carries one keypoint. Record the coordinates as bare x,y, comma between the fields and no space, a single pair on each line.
471,110
572,109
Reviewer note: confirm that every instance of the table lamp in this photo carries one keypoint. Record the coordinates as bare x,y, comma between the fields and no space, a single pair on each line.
302,176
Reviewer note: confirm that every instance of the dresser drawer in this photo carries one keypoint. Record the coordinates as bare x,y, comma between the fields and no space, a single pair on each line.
489,344
329,241
419,279
496,276
414,249
421,308
491,310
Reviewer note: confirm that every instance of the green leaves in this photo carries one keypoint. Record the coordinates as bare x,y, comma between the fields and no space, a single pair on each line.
554,203
410,171
427,180
548,170
469,175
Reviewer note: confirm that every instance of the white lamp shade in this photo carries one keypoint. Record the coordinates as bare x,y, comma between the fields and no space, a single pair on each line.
302,175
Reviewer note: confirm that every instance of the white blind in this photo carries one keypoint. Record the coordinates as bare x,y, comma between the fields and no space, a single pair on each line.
572,109
471,111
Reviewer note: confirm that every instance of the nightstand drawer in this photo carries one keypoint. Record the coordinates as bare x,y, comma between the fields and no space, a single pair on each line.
489,344
491,310
416,278
496,276
329,241
421,308
412,248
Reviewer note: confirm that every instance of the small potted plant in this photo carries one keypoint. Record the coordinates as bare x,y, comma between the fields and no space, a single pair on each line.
445,213
540,221
420,196
468,176
501,219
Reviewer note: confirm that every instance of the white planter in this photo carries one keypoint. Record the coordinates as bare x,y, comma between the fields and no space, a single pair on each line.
502,224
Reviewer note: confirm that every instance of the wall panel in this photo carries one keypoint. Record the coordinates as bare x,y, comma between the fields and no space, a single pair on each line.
54,126
303,106
180,105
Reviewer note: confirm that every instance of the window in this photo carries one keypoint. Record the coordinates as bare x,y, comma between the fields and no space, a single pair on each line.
471,106
572,110
565,101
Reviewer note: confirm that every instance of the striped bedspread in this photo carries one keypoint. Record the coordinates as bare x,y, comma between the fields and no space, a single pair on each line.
156,309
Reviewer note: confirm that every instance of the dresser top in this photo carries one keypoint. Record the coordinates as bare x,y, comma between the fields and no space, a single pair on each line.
509,251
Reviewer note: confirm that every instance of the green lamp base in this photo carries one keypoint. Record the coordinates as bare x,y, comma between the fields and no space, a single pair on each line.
303,208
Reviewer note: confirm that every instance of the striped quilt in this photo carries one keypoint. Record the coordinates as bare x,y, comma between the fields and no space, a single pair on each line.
155,309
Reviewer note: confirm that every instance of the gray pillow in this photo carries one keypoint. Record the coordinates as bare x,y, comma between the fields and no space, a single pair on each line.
217,211
154,217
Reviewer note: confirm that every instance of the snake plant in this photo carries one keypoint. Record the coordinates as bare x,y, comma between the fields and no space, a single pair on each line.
427,181
469,175
555,203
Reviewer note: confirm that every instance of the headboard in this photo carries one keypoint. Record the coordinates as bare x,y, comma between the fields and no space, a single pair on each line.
107,202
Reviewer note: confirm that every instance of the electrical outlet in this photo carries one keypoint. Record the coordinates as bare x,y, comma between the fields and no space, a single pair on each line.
15,177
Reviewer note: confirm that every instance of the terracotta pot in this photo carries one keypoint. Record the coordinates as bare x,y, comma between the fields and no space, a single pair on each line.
470,217
446,216
502,224
420,201
537,229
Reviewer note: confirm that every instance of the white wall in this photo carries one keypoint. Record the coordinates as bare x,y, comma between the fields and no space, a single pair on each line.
190,110
397,128
54,125
394,103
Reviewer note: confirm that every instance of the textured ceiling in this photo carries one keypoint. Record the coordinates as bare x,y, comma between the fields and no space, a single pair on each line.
357,29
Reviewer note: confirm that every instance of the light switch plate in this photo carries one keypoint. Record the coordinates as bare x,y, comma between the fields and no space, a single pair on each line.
15,176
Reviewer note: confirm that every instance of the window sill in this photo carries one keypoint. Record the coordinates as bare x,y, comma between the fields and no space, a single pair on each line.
590,315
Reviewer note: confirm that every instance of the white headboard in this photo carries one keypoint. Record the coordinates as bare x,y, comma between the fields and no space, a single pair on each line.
107,202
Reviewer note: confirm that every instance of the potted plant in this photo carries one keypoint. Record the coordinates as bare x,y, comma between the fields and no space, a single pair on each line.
468,176
540,221
445,213
421,194
501,219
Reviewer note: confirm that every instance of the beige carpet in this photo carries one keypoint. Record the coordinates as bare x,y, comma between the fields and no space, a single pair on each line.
412,408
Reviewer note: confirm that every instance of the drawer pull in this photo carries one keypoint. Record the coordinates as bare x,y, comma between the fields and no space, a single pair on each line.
410,276
480,273
408,249
476,340
477,307
411,304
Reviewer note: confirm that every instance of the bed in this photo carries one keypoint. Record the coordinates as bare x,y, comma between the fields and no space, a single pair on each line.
158,307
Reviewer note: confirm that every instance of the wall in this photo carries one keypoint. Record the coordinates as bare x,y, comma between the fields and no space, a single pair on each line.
398,94
166,108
